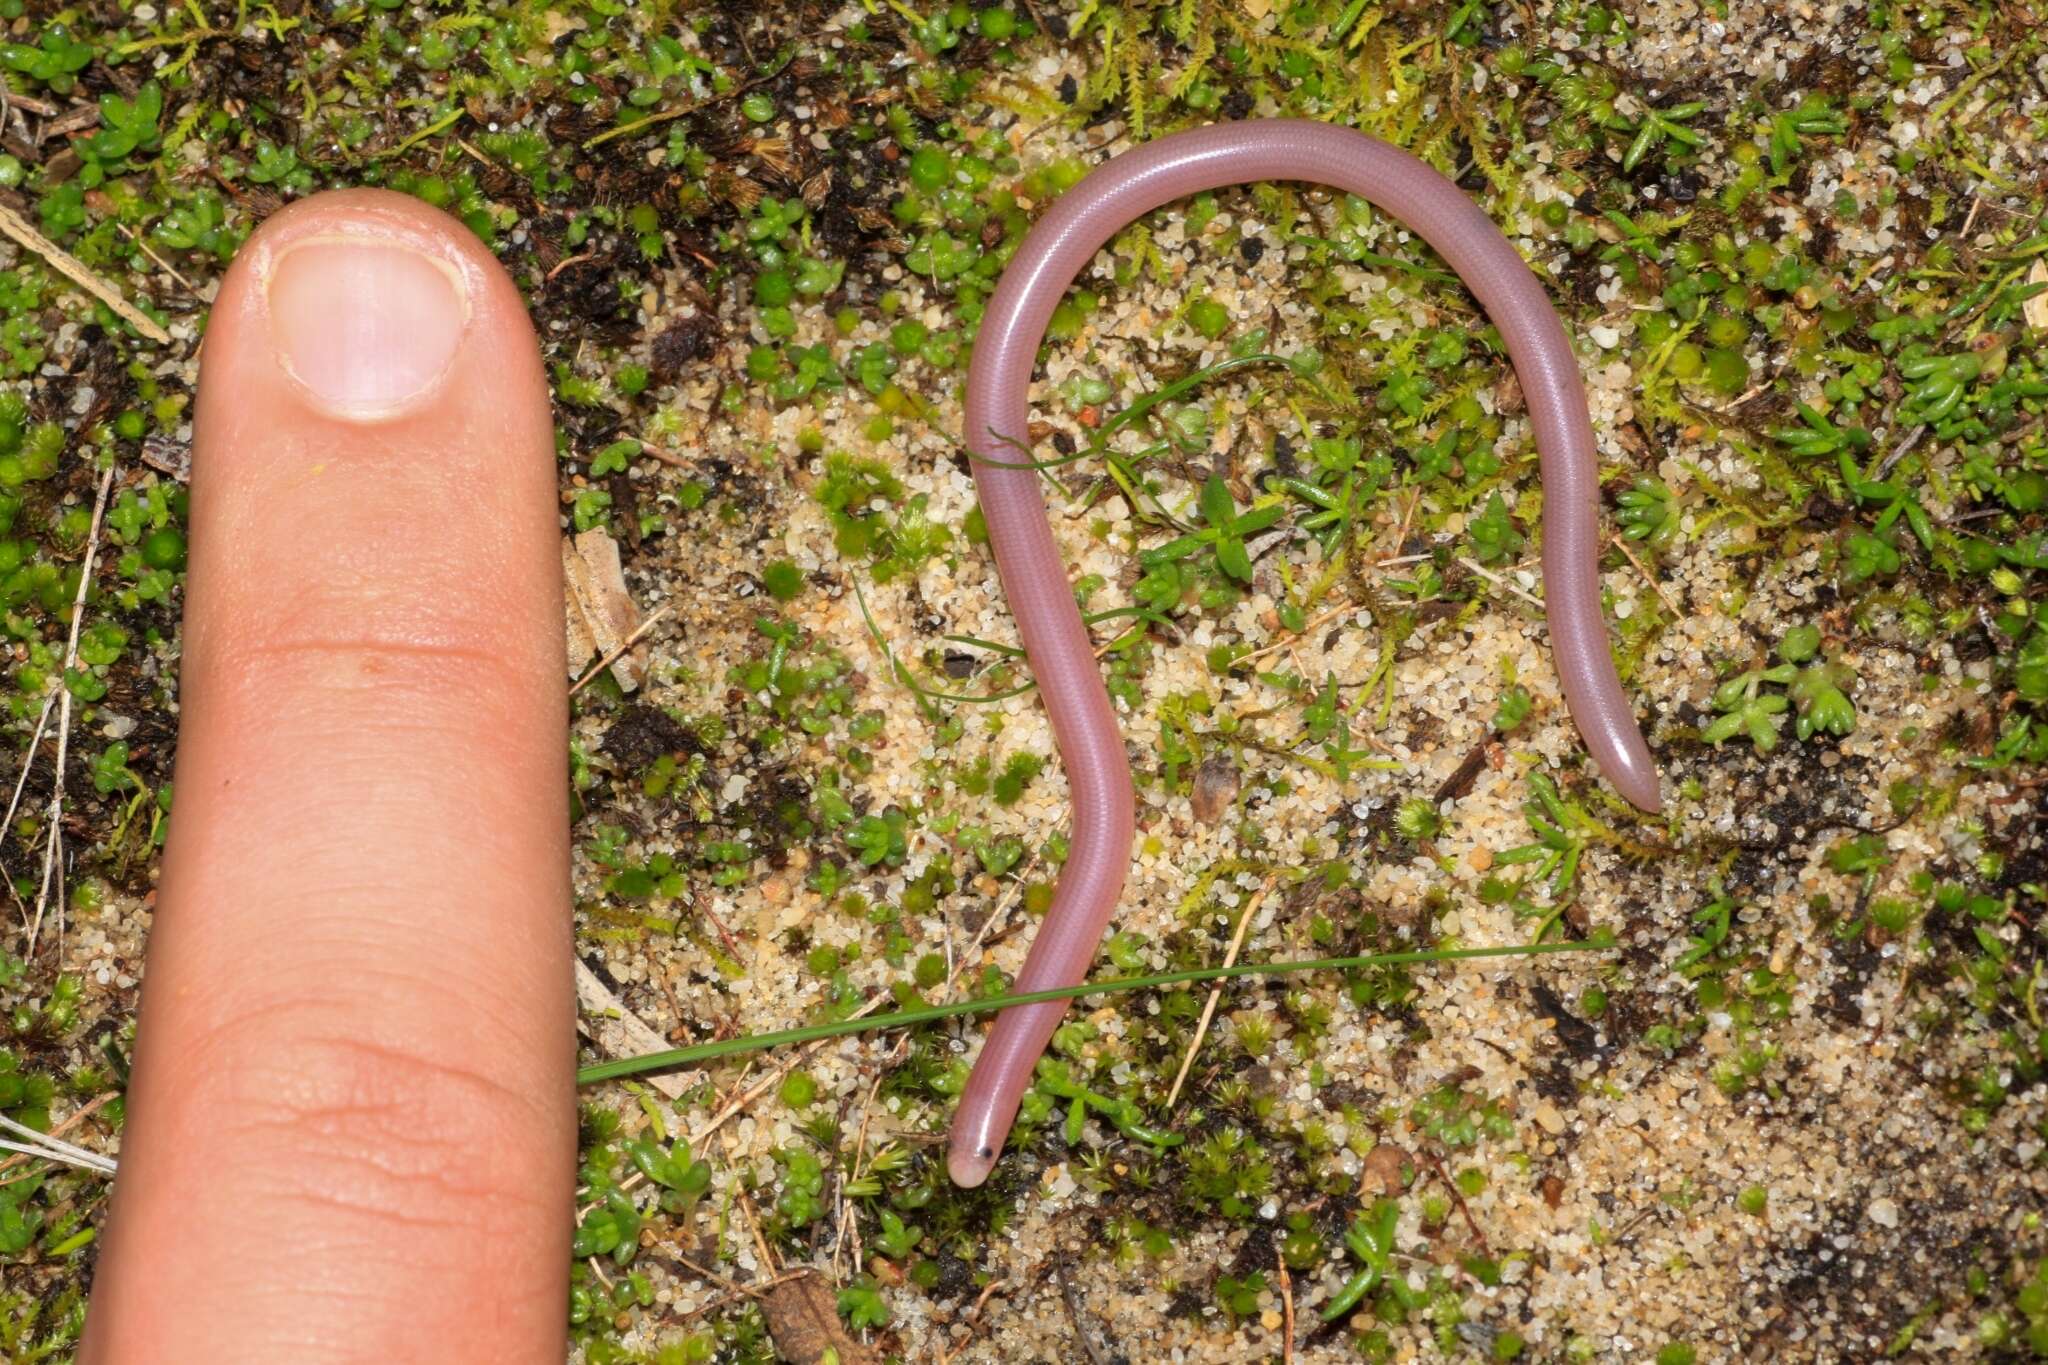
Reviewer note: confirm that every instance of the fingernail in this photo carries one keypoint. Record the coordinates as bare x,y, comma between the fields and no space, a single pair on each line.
366,326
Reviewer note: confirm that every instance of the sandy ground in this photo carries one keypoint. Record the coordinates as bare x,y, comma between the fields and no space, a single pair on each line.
1594,1204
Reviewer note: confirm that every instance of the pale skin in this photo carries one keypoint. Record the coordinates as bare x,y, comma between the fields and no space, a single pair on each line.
351,1131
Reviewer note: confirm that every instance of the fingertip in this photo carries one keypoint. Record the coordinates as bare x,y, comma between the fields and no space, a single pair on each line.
382,216
365,305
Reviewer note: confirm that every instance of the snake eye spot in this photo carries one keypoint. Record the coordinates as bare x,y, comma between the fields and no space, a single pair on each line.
987,1152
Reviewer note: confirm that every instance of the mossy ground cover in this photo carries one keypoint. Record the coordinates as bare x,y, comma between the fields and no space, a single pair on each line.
1792,1109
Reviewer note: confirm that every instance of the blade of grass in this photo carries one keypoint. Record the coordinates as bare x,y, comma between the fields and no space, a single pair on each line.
1098,443
926,695
994,647
760,1042
1149,616
1374,258
71,268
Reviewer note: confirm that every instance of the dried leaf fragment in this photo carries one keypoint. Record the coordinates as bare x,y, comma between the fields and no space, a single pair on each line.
619,1032
803,1317
168,455
601,614
1216,784
2036,308
1384,1171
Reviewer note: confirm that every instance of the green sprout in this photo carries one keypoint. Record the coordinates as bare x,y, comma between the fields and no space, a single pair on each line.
1057,1079
1563,829
681,1180
1495,539
1649,512
879,839
1238,1296
1371,1241
1223,532
1336,512
897,1239
1823,707
1417,819
1814,685
1515,706
1814,116
1661,128
1868,555
611,1229
1817,436
1747,710
55,60
126,125
1939,383
862,1305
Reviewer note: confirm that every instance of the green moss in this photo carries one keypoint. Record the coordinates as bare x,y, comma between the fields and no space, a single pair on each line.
783,580
1886,424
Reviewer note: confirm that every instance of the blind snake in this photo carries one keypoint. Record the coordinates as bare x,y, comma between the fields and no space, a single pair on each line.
1034,578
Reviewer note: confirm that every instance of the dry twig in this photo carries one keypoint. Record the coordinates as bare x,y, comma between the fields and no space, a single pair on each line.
1621,544
73,269
1499,582
1244,923
53,851
28,758
70,1121
1286,1306
52,1148
142,244
624,648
